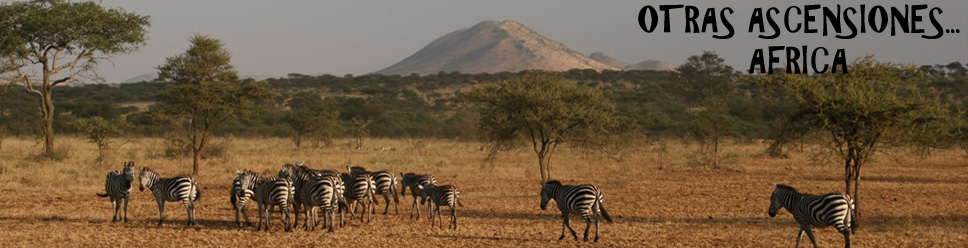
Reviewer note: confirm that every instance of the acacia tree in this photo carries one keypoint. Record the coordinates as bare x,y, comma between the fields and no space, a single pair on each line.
206,92
543,109
707,82
99,131
48,43
876,105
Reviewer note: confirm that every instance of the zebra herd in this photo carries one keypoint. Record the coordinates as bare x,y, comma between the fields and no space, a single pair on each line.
300,189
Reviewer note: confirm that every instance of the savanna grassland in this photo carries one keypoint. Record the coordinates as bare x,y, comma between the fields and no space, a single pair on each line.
657,197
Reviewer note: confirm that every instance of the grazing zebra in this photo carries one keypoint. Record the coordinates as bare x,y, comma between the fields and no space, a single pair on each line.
240,196
584,200
117,186
834,209
358,190
180,188
386,185
441,195
269,192
412,181
356,171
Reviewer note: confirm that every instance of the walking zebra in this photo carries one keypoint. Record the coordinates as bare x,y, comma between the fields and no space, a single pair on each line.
180,188
441,195
239,196
359,190
584,200
834,209
412,181
117,186
386,185
269,192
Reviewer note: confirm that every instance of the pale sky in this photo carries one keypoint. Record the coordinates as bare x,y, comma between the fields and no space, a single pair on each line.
274,38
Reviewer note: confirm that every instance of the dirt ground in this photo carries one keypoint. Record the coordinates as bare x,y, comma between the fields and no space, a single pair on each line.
657,199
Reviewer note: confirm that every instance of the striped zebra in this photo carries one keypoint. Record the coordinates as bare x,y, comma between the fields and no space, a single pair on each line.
386,185
299,175
239,196
180,188
441,195
833,209
269,192
321,191
584,200
358,190
412,181
117,186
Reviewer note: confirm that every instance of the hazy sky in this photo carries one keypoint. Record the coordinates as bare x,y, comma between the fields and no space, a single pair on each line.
273,38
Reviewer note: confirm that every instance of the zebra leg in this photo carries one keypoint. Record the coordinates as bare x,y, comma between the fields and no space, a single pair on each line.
161,211
126,208
296,212
188,210
412,206
799,235
846,233
810,235
453,214
117,206
305,223
588,226
597,219
386,199
568,225
261,216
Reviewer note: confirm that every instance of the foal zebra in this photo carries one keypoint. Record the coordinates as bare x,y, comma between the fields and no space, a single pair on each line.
584,200
441,195
412,181
117,186
239,196
269,192
180,188
832,209
386,185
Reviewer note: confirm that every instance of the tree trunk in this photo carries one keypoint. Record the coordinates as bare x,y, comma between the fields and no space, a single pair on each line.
543,167
49,130
196,155
856,196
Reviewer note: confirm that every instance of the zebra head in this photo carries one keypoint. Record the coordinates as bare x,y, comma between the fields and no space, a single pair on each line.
246,180
547,192
128,171
780,194
147,177
425,191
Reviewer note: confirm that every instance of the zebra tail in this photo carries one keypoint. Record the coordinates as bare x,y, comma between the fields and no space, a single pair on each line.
602,207
102,195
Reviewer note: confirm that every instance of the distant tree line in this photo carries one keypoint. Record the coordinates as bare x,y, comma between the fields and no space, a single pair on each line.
657,104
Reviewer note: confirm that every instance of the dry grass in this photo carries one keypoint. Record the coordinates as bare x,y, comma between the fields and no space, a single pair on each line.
658,197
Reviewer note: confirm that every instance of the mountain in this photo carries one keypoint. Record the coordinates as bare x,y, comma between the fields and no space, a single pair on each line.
151,76
650,65
608,60
493,46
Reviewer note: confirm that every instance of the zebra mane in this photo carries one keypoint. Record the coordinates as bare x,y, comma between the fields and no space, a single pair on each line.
785,187
555,182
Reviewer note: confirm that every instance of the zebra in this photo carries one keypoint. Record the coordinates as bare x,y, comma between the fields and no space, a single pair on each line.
321,191
412,181
359,190
584,200
441,195
117,186
386,185
300,175
180,188
269,192
239,196
832,209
